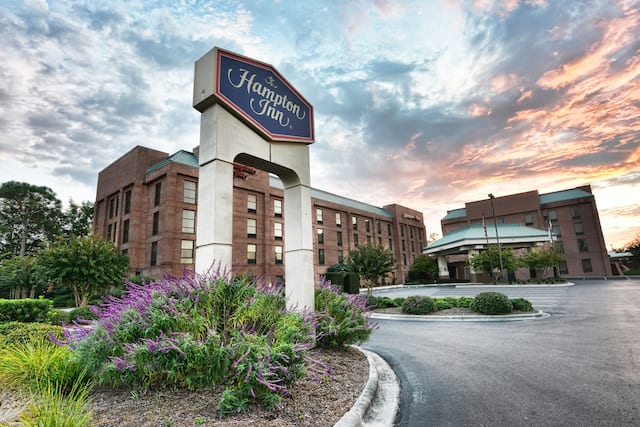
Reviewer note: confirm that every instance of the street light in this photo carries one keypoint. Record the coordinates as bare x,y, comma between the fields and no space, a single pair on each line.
495,224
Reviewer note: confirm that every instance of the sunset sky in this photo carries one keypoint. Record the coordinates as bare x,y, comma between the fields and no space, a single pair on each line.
428,104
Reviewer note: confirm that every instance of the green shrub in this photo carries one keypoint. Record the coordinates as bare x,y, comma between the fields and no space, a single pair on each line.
56,406
25,310
58,317
372,302
398,301
417,304
521,304
492,303
464,302
81,313
18,332
445,303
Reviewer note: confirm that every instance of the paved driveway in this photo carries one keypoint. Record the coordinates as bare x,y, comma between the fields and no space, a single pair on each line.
580,367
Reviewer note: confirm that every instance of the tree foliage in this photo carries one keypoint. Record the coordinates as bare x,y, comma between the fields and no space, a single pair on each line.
541,260
490,258
371,261
87,265
77,220
634,248
425,267
18,278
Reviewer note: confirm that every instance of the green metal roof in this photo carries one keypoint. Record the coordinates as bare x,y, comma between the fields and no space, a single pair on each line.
183,157
559,196
455,214
474,235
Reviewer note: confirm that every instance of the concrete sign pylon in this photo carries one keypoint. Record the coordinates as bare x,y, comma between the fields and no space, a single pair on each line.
226,137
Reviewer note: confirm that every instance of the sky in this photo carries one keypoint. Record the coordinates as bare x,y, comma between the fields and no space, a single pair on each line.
428,104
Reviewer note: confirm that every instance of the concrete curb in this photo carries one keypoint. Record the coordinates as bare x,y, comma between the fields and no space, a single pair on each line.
378,403
463,318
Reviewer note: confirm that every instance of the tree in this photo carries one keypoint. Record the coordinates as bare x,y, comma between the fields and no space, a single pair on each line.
87,265
78,219
18,278
634,248
29,215
370,261
490,258
541,260
424,267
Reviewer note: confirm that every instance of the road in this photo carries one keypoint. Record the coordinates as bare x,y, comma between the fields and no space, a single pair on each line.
579,367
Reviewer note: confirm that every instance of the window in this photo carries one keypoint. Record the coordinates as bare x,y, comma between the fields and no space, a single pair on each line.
251,227
156,199
109,231
278,254
277,208
125,252
411,232
552,215
403,246
252,203
277,230
355,240
558,246
575,212
125,231
379,240
404,259
402,231
354,222
340,257
189,192
582,245
412,247
379,227
562,267
154,253
555,229
156,223
321,256
338,219
127,202
586,266
339,238
578,228
112,207
186,252
390,244
368,239
188,221
319,215
389,229
320,233
528,219
251,254
367,226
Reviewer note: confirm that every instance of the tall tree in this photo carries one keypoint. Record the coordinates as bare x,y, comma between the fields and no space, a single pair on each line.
370,261
634,248
541,260
17,278
77,219
87,265
424,267
29,215
490,258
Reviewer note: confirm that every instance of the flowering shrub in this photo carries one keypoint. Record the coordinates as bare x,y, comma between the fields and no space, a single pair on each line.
341,319
196,331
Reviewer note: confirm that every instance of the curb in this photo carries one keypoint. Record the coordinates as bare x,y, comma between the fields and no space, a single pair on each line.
463,318
378,403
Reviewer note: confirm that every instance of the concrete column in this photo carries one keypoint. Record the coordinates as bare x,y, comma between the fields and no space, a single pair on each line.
443,270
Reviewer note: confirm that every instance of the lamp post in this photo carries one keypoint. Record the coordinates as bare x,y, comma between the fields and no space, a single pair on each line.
495,224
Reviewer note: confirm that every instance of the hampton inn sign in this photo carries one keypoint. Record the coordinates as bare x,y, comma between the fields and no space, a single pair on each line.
260,96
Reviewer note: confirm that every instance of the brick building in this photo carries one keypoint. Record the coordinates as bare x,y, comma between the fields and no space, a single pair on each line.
523,222
146,204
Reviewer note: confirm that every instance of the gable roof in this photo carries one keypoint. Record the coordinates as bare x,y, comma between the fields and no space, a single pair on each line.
182,157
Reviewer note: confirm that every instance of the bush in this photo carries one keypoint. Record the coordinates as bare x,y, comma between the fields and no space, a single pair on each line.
57,406
58,317
82,313
492,303
521,304
17,332
464,302
341,319
398,301
418,305
25,310
445,303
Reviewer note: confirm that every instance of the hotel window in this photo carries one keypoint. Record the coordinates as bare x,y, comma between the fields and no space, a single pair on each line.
319,215
156,223
355,240
278,254
189,192
125,252
127,202
277,208
154,253
251,254
321,256
411,232
339,238
379,227
402,231
555,229
186,252
277,230
558,246
379,240
188,221
389,229
340,257
528,219
582,245
412,247
575,212
112,207
109,231
338,219
251,227
252,203
354,222
368,239
390,244
586,266
403,246
320,233
125,231
367,226
552,215
578,228
404,259
562,267
156,199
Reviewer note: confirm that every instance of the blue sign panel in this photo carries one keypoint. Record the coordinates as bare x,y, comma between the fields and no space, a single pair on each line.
264,98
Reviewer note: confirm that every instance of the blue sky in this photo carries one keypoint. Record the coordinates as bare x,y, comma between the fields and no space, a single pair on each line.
424,103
